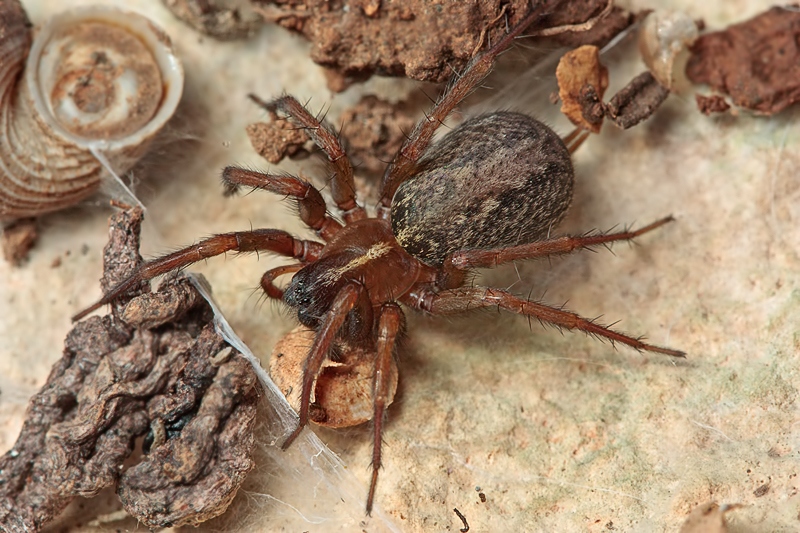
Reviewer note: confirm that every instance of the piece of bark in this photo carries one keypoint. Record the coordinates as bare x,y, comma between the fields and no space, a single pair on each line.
413,38
636,101
756,62
116,381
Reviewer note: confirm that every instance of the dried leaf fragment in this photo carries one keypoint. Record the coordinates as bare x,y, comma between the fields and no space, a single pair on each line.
582,82
343,389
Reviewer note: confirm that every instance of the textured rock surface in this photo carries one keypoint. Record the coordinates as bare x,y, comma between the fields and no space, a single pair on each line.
559,432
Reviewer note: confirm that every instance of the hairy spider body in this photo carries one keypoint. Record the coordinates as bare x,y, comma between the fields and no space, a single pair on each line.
364,253
487,194
511,186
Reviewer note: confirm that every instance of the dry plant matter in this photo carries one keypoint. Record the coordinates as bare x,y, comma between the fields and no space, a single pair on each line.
425,41
756,62
154,368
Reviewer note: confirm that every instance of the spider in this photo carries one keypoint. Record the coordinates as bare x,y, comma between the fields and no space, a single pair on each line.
488,193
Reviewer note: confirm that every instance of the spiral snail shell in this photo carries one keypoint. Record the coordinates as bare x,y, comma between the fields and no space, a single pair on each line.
663,37
97,85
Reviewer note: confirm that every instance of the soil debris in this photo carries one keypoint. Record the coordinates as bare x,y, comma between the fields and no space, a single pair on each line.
582,81
421,40
711,104
154,367
278,139
222,19
756,62
18,238
375,130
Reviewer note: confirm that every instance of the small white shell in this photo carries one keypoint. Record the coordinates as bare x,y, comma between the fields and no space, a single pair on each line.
97,80
662,37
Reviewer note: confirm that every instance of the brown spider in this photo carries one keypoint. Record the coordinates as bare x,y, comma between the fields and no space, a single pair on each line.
488,193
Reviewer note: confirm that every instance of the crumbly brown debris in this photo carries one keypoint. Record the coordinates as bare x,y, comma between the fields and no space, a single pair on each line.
166,373
756,62
18,238
711,104
708,518
374,131
415,38
277,139
221,19
636,101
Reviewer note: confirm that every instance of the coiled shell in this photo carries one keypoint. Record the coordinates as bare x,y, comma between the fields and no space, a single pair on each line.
98,84
664,35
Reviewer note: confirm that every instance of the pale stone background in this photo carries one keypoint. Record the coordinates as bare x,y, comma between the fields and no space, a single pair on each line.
561,432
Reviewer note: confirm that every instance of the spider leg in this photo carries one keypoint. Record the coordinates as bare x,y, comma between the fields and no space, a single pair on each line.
575,139
343,187
258,240
272,290
312,207
345,300
467,259
389,326
404,165
467,298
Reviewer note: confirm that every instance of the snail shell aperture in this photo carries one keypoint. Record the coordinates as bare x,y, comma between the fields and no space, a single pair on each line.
99,83
663,36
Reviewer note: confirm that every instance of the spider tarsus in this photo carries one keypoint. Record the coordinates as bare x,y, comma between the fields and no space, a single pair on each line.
267,106
371,495
292,436
666,351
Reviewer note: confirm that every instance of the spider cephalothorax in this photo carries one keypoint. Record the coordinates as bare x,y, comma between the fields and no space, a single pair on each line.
488,193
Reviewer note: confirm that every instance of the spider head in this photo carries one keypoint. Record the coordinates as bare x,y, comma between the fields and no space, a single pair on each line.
309,303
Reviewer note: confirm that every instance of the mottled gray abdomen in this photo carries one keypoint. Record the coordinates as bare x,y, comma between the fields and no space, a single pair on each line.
497,180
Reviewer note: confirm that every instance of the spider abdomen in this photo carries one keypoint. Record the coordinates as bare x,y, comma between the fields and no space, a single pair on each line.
498,180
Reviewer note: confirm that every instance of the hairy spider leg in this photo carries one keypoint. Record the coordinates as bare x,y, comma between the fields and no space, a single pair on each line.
312,208
466,259
343,189
347,298
389,325
463,299
258,240
405,163
272,290
575,139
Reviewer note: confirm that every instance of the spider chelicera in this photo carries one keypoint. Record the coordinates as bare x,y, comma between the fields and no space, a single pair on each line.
488,193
